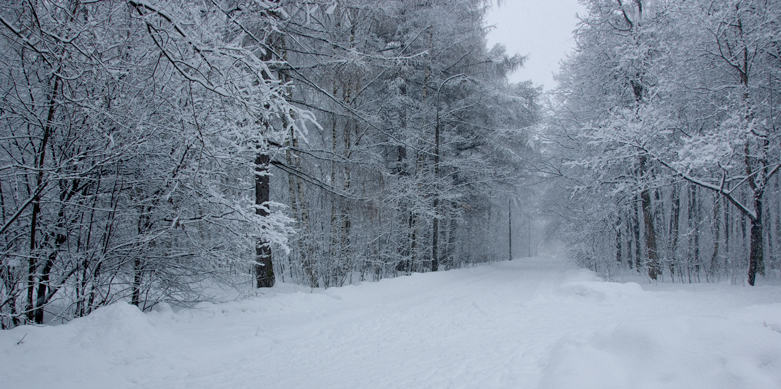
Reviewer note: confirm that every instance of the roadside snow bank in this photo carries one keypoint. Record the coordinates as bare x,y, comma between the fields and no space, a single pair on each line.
604,292
529,323
96,348
737,350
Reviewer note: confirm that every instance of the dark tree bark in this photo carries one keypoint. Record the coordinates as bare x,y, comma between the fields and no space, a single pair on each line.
510,228
694,224
650,236
674,225
264,268
636,236
716,237
619,240
756,252
650,230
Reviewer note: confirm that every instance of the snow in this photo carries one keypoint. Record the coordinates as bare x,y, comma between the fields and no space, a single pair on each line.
529,323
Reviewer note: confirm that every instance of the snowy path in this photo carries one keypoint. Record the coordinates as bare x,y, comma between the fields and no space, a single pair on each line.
523,324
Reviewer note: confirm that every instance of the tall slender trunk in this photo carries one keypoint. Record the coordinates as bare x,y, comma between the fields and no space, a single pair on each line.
344,229
138,273
746,244
144,226
299,209
510,229
43,284
714,261
756,252
727,233
413,225
694,219
39,164
335,217
435,223
768,235
650,230
638,260
450,242
674,230
650,236
264,268
619,240
777,254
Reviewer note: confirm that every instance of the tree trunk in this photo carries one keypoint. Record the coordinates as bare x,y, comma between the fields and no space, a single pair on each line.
694,219
435,238
648,218
636,235
413,224
135,296
674,230
776,254
650,236
43,283
756,255
510,229
264,268
298,206
727,232
714,264
619,238
450,243
768,231
435,228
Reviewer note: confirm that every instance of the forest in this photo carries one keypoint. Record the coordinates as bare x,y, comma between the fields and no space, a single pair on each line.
666,129
151,149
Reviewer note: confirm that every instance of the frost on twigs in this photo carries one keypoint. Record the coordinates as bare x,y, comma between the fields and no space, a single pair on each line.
134,126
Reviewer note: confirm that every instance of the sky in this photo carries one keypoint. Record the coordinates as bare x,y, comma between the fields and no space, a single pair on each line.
539,29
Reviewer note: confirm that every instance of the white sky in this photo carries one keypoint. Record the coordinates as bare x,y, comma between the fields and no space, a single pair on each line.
539,29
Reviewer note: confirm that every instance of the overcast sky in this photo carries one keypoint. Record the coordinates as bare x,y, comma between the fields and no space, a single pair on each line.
539,29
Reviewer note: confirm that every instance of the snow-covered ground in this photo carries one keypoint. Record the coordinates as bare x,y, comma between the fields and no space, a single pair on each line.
528,323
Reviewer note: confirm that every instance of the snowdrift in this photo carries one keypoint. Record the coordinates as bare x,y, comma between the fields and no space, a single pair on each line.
529,323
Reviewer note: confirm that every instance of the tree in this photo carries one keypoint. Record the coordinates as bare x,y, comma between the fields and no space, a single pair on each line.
606,87
373,191
702,116
130,131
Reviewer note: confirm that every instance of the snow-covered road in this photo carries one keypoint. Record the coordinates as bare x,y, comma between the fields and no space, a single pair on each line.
529,323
